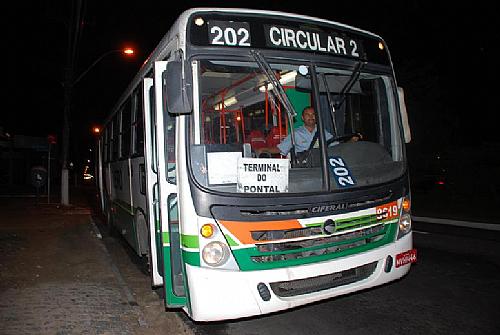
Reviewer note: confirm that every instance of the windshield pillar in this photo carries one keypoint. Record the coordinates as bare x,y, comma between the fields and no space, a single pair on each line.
320,127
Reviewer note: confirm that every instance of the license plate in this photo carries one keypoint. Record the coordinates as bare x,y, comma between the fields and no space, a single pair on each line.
406,257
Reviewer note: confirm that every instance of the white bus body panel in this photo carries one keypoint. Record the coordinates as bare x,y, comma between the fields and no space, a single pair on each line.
138,199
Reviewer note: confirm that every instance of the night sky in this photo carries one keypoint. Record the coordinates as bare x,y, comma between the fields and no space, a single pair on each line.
443,54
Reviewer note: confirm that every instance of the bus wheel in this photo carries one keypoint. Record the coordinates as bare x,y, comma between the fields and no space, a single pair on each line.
143,239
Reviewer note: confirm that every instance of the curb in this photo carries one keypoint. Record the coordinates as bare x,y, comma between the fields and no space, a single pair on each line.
175,317
119,278
468,224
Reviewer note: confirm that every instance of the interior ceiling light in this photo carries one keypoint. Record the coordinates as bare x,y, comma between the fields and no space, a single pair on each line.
285,79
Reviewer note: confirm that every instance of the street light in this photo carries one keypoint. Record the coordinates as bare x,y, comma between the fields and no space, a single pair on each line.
69,83
126,51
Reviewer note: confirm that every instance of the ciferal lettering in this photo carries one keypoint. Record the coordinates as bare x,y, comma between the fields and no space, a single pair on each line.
329,208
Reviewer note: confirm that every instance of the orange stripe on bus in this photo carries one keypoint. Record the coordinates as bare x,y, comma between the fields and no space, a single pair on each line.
242,229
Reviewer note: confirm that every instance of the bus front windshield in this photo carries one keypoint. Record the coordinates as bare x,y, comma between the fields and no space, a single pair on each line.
259,130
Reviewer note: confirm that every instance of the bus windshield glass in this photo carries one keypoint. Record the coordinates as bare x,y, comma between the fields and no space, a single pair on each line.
260,136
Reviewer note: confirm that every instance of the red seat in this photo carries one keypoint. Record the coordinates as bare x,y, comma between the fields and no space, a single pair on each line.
256,139
273,138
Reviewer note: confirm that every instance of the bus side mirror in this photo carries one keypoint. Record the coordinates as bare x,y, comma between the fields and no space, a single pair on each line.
177,83
404,115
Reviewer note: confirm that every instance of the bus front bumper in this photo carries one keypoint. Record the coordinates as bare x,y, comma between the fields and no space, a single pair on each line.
221,294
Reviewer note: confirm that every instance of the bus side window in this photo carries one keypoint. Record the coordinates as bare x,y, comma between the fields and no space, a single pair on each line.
125,130
114,139
170,148
137,125
105,145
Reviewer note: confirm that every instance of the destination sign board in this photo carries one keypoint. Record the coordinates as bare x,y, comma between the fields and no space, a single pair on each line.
262,32
302,39
238,34
259,175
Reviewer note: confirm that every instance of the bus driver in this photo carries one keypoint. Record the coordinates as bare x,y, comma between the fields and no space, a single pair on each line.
304,135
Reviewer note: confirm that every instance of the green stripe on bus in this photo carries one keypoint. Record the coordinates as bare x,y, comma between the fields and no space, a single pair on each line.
190,241
230,241
309,225
349,222
362,220
165,237
191,258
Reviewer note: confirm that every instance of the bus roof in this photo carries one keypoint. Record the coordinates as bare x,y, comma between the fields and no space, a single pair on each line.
186,14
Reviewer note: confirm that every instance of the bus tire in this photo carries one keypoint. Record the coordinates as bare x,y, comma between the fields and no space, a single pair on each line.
143,241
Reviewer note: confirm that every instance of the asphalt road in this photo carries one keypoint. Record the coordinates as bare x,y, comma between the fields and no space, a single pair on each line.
453,289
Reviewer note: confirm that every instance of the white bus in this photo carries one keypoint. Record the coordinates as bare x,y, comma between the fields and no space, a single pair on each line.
231,227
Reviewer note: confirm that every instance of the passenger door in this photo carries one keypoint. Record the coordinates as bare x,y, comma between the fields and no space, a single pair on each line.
152,192
162,190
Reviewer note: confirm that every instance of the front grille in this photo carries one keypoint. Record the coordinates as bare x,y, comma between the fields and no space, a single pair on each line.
324,282
272,252
314,230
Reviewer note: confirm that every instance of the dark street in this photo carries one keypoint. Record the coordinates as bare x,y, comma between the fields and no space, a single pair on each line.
57,274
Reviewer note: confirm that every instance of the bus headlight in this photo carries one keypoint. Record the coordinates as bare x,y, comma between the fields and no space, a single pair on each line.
215,253
404,225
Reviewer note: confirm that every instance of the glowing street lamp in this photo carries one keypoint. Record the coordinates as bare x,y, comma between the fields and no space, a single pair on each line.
126,51
69,84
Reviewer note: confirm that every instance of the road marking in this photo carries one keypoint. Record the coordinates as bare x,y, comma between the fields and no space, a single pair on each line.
468,224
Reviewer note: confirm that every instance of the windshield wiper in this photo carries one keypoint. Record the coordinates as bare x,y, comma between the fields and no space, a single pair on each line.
350,83
343,94
278,91
330,102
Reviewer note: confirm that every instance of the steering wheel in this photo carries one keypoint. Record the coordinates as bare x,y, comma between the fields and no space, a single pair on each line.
345,138
265,154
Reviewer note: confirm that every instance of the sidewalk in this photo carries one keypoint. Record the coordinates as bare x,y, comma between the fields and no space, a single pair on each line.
56,276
